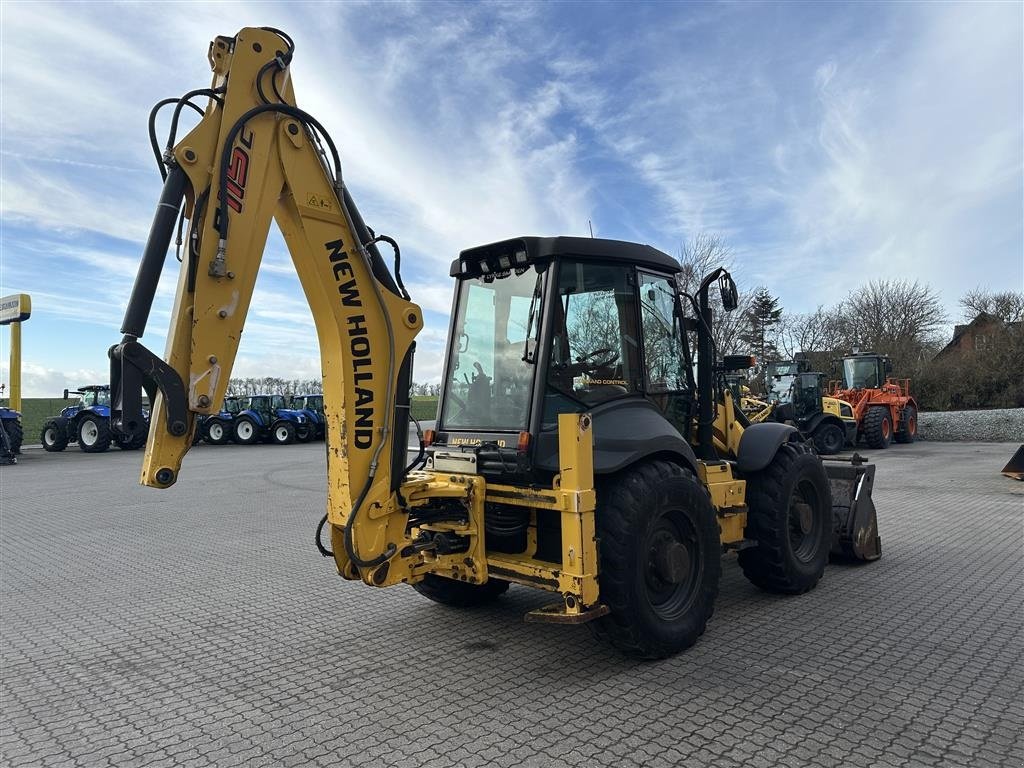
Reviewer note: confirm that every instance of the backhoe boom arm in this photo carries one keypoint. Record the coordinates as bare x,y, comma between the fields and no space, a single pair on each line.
255,157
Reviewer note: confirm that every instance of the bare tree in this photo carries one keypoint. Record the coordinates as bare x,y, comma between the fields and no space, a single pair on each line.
1008,306
699,256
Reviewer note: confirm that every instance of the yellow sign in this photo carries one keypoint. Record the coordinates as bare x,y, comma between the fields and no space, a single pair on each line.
15,308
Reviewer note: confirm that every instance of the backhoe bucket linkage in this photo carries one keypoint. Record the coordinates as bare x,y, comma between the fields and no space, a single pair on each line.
854,522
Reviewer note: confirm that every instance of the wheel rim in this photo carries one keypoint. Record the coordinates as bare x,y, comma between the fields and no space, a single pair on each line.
89,432
216,431
282,434
673,566
834,439
245,430
912,426
885,428
50,436
804,524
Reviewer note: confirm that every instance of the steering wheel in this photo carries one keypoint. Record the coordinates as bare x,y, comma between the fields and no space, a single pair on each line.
598,358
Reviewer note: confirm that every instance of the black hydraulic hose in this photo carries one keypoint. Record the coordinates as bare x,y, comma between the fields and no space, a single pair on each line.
141,302
152,131
173,133
319,542
398,261
229,141
423,446
350,547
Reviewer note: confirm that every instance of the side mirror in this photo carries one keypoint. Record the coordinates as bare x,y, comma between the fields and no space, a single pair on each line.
730,296
65,394
888,366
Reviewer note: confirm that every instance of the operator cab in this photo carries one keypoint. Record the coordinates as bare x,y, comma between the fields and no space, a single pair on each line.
865,371
543,326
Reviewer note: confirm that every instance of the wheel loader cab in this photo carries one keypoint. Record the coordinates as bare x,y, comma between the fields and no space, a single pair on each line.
546,326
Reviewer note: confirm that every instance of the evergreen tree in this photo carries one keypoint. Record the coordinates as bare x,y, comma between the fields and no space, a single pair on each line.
764,313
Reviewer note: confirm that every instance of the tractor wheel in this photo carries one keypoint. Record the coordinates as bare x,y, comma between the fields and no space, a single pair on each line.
54,436
909,423
878,427
829,438
93,434
790,518
16,434
459,594
246,431
282,433
215,432
660,560
304,432
131,443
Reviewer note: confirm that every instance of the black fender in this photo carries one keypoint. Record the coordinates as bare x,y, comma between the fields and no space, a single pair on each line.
818,419
625,432
61,423
760,443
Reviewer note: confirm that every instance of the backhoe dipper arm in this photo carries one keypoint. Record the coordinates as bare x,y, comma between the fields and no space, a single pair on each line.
254,156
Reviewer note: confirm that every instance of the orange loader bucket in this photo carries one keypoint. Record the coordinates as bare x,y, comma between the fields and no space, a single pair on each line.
1015,467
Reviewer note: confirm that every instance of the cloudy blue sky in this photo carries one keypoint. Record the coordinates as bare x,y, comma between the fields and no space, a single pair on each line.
828,144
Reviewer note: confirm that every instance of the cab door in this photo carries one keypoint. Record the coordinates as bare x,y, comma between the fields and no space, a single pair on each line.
664,360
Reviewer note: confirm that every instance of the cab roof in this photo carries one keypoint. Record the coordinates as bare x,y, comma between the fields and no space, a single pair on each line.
550,248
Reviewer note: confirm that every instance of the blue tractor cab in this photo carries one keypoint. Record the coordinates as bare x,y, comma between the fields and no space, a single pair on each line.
312,407
87,422
267,418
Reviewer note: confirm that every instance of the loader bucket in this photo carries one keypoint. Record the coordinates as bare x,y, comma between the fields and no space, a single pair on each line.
1015,467
854,523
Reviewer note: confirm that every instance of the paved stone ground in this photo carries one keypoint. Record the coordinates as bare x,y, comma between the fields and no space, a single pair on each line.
198,626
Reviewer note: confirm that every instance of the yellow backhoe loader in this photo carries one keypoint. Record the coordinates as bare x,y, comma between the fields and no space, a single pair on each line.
574,451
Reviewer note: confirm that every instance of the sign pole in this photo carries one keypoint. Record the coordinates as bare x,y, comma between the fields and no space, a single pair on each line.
15,369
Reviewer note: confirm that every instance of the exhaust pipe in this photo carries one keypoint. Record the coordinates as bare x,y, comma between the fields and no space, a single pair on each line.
854,521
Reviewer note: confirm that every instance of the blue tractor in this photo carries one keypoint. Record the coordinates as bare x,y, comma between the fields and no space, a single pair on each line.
312,407
217,430
87,422
267,418
11,439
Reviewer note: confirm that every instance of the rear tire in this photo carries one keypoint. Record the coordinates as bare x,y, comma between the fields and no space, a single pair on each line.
829,439
660,560
54,436
93,434
909,423
246,431
16,434
282,433
790,518
215,432
460,594
878,427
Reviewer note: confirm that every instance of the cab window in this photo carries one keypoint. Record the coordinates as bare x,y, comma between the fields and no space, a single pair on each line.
595,345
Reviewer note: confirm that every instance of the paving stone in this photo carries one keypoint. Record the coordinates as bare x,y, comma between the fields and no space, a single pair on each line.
197,626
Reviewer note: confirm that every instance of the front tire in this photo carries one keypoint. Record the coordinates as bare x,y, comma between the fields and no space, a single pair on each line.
790,518
215,432
460,594
93,434
283,433
909,423
829,439
878,427
246,432
54,436
660,560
